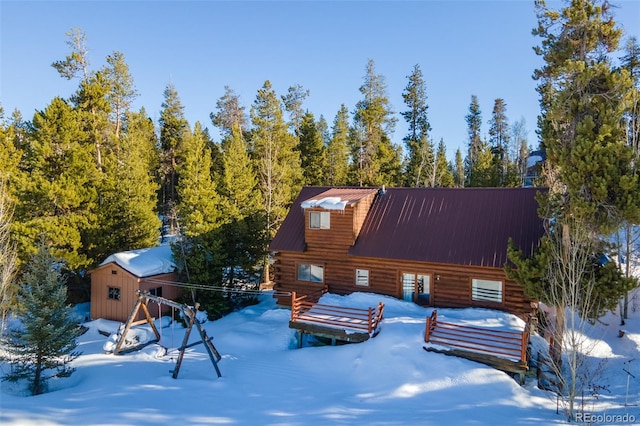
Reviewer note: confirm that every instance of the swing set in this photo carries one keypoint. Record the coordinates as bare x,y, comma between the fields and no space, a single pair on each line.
188,312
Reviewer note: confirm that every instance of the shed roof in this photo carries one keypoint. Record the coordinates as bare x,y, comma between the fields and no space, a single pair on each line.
144,262
461,226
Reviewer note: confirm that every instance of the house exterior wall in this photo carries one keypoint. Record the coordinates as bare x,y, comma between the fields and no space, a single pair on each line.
450,285
114,276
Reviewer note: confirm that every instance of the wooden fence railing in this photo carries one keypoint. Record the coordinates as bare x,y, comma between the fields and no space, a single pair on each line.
510,345
361,320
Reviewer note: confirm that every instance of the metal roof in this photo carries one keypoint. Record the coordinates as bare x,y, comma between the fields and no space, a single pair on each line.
460,226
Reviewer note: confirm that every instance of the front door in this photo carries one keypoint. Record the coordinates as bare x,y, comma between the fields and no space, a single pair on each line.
416,288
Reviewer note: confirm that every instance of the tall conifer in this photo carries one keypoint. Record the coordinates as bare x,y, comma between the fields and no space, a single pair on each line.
338,149
375,160
278,161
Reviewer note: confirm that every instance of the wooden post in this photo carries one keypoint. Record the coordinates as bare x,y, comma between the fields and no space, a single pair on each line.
293,306
431,323
370,321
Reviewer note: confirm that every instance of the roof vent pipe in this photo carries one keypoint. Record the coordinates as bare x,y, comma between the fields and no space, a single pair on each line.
383,190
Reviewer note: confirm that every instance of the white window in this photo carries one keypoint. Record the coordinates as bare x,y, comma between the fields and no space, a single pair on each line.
362,277
486,290
319,220
313,273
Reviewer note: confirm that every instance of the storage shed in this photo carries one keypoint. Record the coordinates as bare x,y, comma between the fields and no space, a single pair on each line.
115,281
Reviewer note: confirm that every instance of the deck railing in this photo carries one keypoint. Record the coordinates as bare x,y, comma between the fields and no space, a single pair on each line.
363,320
500,343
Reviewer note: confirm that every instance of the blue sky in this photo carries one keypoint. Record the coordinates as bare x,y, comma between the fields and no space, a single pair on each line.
463,48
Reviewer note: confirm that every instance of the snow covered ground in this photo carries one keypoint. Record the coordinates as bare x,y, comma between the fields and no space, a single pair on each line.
387,380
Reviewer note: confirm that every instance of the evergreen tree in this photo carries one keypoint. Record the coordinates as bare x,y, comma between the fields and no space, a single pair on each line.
375,161
459,175
121,89
293,105
419,170
312,151
338,149
229,113
243,232
520,149
173,129
56,190
93,109
592,187
10,153
278,162
8,257
78,60
476,146
499,140
198,253
197,192
128,215
43,346
443,175
631,62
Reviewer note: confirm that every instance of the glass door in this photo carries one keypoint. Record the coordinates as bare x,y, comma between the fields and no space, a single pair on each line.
416,288
423,290
408,286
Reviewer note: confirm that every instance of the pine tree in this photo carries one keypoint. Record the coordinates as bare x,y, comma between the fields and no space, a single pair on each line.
459,175
631,62
338,149
8,257
278,162
375,161
229,113
93,109
475,144
128,217
56,191
589,171
243,232
121,92
419,170
78,60
198,252
520,150
197,191
443,175
293,105
10,153
173,129
312,151
43,346
499,140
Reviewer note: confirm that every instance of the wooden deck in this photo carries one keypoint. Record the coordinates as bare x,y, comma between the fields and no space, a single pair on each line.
500,349
352,325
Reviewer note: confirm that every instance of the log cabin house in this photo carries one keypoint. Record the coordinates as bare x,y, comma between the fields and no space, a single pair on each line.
443,247
115,281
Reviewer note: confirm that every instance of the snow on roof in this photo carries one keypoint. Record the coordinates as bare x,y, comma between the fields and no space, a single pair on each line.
328,203
144,262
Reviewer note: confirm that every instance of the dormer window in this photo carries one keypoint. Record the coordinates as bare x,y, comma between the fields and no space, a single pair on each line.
319,220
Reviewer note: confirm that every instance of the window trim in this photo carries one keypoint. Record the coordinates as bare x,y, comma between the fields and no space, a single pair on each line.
362,277
324,220
487,294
